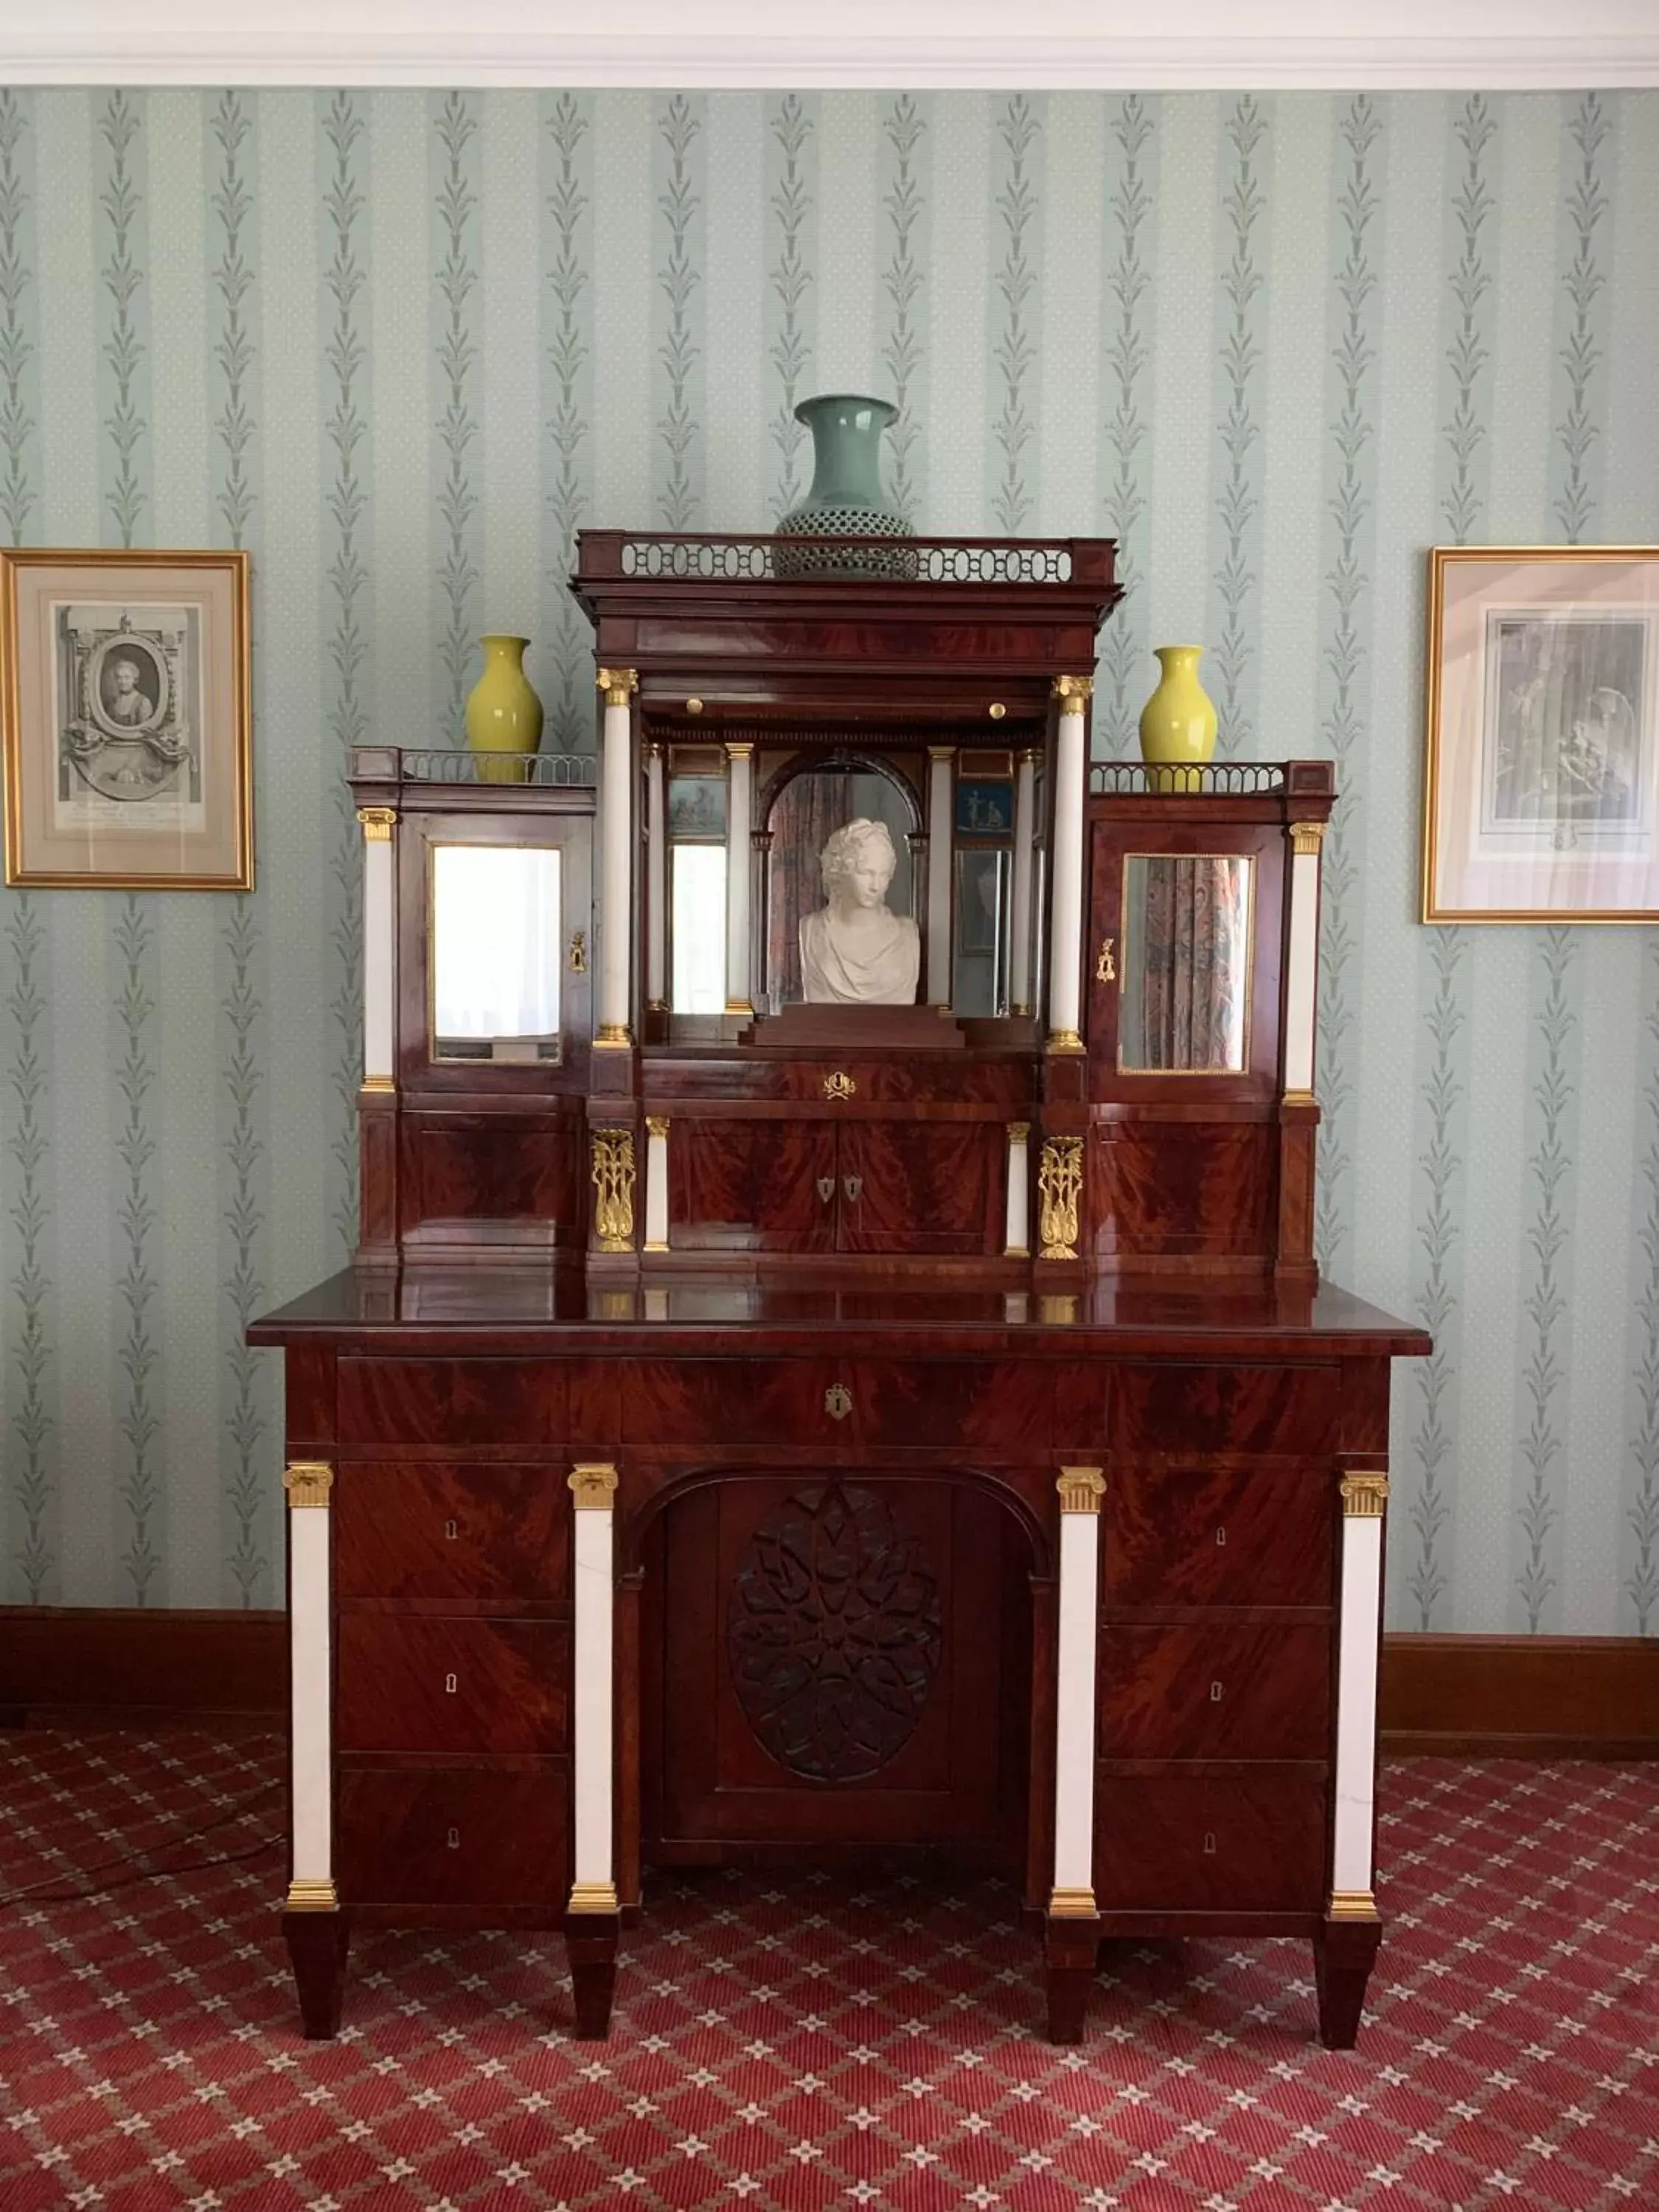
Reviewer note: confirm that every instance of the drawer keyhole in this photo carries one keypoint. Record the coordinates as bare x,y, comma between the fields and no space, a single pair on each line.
1209,1844
1215,1693
449,1684
454,1839
1221,1537
452,1530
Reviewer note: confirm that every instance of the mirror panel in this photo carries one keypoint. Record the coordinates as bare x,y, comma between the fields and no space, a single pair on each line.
1185,974
496,953
984,917
697,895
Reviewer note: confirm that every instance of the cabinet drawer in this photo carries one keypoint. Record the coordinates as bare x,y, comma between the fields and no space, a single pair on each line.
1230,1535
945,1402
440,1685
1239,1843
434,1530
409,1836
1214,1692
685,1406
1201,1408
459,1402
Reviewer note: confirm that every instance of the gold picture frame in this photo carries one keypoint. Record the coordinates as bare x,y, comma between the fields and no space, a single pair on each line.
125,712
1541,783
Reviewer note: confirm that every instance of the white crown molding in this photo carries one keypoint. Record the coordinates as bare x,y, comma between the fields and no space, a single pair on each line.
1039,45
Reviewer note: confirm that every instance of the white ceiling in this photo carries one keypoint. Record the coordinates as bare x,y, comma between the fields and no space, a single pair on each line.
1034,45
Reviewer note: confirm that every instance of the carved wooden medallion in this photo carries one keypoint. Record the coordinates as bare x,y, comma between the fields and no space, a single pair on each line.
833,1633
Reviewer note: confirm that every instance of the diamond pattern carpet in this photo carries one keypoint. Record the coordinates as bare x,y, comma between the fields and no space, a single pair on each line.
805,2043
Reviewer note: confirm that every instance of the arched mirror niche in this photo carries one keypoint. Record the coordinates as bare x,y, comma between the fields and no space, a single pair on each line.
801,808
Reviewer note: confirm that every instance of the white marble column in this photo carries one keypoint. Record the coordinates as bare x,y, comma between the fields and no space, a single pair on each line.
656,883
1364,1502
1019,979
618,685
656,1183
1081,1489
1066,885
739,865
594,1488
1301,962
308,1483
941,832
1017,1241
380,947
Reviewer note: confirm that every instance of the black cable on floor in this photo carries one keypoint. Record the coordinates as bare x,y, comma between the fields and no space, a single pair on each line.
41,1892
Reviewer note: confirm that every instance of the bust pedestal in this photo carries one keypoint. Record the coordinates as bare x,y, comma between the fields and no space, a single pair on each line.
805,1028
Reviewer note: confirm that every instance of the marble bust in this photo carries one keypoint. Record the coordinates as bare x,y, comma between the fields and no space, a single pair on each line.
854,951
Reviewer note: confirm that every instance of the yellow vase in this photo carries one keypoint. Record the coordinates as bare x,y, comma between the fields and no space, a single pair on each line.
1177,723
503,715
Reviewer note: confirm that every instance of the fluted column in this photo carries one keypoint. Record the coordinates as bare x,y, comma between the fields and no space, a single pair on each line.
656,884
941,832
739,864
1066,870
618,686
1019,979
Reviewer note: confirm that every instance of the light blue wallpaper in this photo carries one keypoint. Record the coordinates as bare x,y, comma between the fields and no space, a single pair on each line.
402,344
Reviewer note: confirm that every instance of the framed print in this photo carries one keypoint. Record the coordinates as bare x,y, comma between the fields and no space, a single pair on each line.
124,698
696,806
985,809
1540,797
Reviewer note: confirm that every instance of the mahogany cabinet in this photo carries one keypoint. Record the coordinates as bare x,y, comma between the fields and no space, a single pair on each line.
760,1431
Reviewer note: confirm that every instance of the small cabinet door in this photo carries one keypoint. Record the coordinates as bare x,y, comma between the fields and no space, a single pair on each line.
922,1186
752,1186
1183,961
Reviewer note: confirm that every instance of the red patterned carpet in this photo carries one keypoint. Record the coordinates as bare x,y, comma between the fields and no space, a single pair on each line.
805,2043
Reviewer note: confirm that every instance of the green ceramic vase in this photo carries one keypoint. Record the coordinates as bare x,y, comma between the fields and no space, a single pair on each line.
503,715
846,500
1178,722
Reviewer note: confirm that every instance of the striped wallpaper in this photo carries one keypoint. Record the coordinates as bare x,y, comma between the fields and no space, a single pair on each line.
401,345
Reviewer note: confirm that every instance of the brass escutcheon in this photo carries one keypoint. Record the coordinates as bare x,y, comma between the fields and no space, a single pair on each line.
839,1085
838,1402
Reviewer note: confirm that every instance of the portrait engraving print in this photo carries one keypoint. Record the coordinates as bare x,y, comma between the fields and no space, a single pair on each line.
834,1633
126,718
854,950
128,681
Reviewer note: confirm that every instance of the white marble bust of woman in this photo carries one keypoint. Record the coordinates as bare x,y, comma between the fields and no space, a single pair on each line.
854,951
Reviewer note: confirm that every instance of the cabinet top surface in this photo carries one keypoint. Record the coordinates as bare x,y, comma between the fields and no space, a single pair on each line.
486,1309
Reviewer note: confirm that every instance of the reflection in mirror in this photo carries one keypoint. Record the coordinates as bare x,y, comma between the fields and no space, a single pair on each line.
697,903
804,815
497,947
984,889
1185,974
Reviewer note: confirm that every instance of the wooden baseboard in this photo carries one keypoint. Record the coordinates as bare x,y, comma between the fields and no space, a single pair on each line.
92,1665
1542,1697
1521,1697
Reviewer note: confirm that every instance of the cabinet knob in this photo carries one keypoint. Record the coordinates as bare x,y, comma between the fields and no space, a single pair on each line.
453,1840
449,1684
1215,1693
1221,1536
452,1530
1209,1844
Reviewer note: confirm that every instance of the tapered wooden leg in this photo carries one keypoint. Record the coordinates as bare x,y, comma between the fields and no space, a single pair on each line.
590,1942
1069,1949
1344,1953
317,1944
